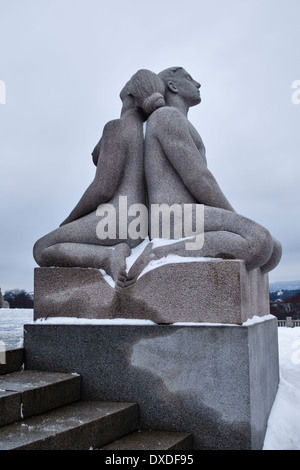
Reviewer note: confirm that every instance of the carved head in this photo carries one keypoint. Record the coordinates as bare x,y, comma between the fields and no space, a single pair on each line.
127,99
179,82
145,90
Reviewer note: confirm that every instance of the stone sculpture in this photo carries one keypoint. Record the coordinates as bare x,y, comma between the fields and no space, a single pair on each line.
176,173
168,167
3,303
196,364
120,172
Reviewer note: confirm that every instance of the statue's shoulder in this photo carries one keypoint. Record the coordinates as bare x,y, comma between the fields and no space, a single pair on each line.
111,126
163,115
113,130
165,118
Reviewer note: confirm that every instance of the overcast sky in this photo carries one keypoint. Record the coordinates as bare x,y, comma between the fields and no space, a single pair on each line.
64,63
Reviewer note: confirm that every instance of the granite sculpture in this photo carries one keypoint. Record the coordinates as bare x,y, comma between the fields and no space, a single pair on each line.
120,172
165,168
3,303
177,174
179,357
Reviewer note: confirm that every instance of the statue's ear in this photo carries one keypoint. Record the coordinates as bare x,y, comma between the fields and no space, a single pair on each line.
173,87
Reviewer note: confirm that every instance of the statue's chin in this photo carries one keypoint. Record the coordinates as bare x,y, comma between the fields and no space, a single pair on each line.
196,101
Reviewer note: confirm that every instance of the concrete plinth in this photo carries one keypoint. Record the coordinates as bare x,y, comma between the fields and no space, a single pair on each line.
218,382
209,291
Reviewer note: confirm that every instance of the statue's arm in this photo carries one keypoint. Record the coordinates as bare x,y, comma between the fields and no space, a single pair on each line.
87,203
108,173
174,136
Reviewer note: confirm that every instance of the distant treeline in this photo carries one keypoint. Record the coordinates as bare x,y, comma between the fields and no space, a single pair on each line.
282,303
283,294
285,304
18,298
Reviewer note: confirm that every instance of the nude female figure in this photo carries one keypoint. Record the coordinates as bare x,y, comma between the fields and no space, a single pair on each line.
176,173
120,172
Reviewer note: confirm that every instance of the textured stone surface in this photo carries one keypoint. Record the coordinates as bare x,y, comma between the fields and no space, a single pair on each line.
14,359
80,426
210,291
41,391
72,292
10,407
152,440
217,382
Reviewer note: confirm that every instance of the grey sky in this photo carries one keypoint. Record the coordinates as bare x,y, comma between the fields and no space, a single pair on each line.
64,63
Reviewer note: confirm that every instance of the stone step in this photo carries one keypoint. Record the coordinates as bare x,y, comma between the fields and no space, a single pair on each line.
14,360
27,393
152,440
79,426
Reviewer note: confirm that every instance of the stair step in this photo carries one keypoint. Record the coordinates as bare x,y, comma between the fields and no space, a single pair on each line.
14,359
152,440
27,393
10,407
80,426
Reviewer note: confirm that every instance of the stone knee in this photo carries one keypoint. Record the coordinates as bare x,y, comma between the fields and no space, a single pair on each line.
38,252
261,247
46,256
274,259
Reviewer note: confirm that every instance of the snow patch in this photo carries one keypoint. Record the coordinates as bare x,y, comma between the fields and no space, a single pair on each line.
108,278
173,259
168,259
135,253
92,321
257,319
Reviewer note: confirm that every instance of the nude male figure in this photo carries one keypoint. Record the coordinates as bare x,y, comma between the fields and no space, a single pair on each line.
177,173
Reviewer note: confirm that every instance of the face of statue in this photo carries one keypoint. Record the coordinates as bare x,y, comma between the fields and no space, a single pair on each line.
187,87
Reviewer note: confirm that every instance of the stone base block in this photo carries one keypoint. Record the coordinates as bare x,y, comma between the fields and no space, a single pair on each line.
218,382
209,291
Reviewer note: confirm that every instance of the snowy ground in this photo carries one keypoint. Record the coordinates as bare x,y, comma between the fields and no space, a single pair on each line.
11,326
283,432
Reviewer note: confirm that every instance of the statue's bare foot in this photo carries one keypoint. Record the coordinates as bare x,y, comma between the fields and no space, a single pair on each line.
120,283
115,263
111,259
149,254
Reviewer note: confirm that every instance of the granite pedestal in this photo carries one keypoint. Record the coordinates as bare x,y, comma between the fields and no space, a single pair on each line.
218,382
208,291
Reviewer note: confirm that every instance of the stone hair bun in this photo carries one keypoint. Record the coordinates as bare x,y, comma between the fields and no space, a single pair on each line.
153,102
